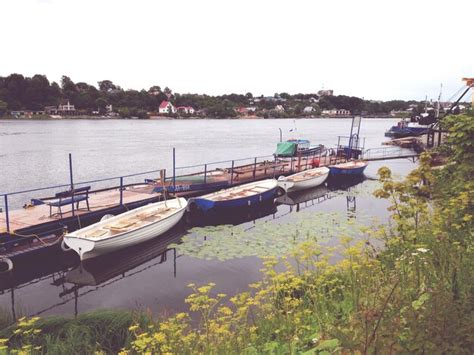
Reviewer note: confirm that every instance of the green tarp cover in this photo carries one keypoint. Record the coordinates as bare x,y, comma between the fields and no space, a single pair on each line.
286,149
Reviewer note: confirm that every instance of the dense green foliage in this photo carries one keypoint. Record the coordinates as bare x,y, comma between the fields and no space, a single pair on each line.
413,295
24,93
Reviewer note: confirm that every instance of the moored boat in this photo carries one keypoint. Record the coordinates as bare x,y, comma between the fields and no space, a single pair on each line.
354,167
297,147
239,196
304,180
126,229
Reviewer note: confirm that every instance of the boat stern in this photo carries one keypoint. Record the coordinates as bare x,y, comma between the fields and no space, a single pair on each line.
200,204
284,184
79,245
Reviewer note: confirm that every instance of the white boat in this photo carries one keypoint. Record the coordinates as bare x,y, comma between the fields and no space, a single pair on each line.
304,180
126,229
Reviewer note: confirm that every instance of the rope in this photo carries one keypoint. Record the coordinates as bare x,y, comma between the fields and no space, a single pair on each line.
457,93
37,237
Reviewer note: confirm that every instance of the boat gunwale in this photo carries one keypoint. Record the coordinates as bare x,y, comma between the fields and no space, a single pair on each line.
344,166
210,197
100,239
289,178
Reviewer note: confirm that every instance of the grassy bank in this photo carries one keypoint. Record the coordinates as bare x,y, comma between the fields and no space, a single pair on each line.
414,295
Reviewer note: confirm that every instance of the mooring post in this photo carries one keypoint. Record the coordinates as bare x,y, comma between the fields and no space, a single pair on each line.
121,190
274,166
254,168
7,219
72,183
232,173
174,170
174,262
205,173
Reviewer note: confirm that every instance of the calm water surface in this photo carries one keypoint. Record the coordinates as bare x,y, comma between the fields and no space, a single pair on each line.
34,153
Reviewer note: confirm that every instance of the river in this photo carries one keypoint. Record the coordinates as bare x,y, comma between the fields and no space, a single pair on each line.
35,153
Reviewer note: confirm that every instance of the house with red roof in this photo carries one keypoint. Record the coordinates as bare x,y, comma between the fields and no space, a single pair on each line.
166,107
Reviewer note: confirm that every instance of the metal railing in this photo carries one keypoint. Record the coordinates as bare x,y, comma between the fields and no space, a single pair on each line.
387,153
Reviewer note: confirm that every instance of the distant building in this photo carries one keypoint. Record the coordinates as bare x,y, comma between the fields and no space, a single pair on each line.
66,108
279,108
251,108
108,108
337,113
241,110
314,100
166,107
26,113
51,110
186,109
309,109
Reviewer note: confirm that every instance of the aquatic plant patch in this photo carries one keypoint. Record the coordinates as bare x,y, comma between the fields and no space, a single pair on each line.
265,239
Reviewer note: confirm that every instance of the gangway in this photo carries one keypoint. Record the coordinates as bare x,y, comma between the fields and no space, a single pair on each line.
387,153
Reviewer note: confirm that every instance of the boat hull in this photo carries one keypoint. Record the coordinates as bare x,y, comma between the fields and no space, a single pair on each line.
341,171
206,204
88,248
290,186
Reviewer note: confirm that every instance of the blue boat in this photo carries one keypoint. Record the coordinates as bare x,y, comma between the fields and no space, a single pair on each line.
405,128
355,167
240,196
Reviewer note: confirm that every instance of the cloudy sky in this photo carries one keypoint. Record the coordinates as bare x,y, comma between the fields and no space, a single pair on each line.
372,49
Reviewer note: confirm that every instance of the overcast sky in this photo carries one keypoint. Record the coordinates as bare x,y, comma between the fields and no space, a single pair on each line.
381,49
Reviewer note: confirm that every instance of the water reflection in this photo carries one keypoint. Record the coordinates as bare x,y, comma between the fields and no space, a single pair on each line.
59,280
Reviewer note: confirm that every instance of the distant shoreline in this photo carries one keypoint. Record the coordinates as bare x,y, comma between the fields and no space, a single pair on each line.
164,118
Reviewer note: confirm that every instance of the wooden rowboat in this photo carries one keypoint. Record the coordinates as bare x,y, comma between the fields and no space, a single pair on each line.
235,197
126,229
304,180
355,167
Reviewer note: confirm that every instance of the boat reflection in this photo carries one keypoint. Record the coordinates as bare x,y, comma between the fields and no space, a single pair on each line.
99,270
295,198
337,183
234,216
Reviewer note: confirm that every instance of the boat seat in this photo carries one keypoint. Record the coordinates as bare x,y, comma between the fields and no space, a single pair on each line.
97,233
121,225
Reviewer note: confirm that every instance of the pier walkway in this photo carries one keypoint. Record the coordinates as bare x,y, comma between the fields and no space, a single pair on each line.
388,153
117,199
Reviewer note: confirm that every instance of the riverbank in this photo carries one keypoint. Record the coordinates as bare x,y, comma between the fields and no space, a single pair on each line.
104,118
414,295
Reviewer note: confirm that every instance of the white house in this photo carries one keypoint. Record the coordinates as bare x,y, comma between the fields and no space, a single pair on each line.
279,108
66,107
186,109
166,107
337,112
308,109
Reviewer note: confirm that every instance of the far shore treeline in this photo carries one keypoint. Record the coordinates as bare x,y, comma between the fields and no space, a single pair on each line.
35,94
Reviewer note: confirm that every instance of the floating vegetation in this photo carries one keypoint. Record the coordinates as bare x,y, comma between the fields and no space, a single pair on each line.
225,242
365,189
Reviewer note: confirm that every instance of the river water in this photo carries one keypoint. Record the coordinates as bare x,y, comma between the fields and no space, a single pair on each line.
35,153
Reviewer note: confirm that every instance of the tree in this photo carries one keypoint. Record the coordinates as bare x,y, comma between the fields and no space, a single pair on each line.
106,86
3,107
101,103
67,84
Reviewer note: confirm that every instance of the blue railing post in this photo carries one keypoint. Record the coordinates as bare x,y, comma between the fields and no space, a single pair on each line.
121,190
174,170
72,183
7,218
205,173
232,173
254,168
